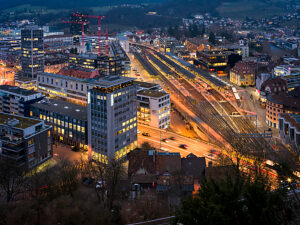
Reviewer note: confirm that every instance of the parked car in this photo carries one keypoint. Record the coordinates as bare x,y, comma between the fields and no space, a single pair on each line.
146,134
184,146
165,140
172,138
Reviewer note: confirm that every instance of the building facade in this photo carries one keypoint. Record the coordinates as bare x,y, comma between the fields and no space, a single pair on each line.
242,75
64,87
289,131
24,141
32,47
69,121
281,103
15,100
112,121
153,108
212,61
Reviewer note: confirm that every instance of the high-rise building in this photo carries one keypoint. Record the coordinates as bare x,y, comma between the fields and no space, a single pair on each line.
32,47
76,27
112,119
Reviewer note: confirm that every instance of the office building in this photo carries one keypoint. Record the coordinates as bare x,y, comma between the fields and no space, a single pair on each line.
64,87
153,108
212,61
112,122
85,61
69,121
76,27
15,100
32,47
24,141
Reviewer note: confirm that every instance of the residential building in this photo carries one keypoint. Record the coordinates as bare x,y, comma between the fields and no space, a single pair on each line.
24,141
242,75
260,79
69,121
15,100
159,170
289,131
274,85
112,122
196,44
153,108
32,47
241,49
282,103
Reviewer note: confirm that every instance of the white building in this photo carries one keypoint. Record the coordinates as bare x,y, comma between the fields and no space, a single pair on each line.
153,108
286,70
112,121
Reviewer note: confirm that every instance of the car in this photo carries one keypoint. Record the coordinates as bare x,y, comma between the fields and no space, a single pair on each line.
184,146
138,131
165,140
87,181
146,134
99,184
172,138
137,74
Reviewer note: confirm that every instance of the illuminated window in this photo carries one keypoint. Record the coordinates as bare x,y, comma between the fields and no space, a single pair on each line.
31,141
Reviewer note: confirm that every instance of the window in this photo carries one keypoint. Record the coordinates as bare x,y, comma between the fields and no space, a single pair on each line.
31,141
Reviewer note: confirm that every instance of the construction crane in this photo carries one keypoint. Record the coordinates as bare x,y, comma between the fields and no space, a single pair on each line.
82,31
106,41
99,18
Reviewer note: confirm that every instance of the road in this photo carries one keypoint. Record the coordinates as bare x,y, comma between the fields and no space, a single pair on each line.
210,109
197,147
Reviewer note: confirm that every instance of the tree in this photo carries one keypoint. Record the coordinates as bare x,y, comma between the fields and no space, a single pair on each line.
236,200
212,38
12,179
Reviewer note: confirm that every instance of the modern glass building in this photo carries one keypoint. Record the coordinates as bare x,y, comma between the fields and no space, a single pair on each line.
32,47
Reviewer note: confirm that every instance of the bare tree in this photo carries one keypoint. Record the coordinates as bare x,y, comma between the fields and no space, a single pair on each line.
11,179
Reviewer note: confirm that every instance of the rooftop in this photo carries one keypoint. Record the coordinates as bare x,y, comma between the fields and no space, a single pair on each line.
294,120
17,121
155,94
17,90
63,108
103,82
146,85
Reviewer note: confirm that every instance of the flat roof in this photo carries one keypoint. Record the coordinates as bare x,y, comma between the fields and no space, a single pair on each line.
104,82
63,108
17,90
24,122
145,84
155,94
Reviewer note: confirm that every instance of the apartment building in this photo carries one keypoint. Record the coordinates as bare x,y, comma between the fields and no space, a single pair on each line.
16,100
24,141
